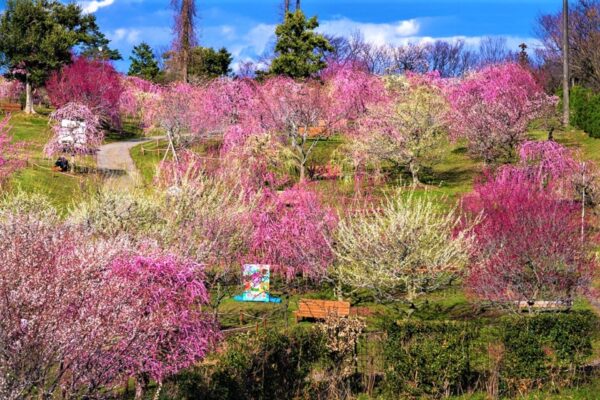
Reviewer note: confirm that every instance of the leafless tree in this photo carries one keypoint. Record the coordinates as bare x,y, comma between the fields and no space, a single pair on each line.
451,59
410,57
584,43
185,35
492,50
355,49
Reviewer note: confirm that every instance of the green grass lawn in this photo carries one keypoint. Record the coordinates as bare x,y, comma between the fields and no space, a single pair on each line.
63,189
146,157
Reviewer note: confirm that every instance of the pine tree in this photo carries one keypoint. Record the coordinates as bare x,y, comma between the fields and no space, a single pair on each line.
38,36
143,62
207,62
300,50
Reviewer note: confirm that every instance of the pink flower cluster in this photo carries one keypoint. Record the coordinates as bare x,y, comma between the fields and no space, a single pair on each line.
529,243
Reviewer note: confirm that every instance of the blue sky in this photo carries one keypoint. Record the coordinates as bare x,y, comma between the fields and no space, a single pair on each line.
246,27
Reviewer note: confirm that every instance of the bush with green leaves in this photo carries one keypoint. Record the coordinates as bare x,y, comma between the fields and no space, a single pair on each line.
585,110
428,358
545,348
271,365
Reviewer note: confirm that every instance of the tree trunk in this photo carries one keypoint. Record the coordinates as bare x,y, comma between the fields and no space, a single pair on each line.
140,387
28,98
414,171
297,5
302,172
565,49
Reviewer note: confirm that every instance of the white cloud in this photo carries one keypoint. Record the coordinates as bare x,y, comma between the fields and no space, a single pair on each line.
375,33
259,37
131,36
93,6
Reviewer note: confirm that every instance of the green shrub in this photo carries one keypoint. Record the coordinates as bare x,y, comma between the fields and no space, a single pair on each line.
270,365
428,358
585,110
544,348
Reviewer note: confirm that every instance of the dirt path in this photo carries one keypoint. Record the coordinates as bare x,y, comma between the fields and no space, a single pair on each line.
115,162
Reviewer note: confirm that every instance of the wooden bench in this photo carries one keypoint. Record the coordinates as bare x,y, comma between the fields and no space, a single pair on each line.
10,107
320,309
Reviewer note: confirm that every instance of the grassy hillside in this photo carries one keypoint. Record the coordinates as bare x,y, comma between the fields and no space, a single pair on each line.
62,188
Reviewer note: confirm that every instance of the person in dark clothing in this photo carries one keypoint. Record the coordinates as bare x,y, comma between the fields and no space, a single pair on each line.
62,163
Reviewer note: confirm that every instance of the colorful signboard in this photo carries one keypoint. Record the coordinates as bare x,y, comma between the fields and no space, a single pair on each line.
255,278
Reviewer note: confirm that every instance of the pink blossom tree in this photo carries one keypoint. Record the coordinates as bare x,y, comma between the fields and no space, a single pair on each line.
493,107
175,331
94,83
135,93
292,232
76,131
297,114
80,314
527,243
10,90
408,129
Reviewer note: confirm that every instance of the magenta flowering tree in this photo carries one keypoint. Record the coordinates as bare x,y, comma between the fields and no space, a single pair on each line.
94,83
76,131
492,109
292,232
528,244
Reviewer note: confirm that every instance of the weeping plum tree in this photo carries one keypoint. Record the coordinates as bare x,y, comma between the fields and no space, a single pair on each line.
403,249
492,108
292,232
301,113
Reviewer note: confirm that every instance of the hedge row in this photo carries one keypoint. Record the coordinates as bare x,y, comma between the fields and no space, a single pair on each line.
420,359
513,356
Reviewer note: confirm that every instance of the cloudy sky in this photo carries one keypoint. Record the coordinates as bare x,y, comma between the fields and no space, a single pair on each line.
246,27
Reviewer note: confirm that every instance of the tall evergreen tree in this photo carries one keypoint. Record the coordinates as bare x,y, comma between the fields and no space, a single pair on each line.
207,62
38,36
143,62
300,51
98,49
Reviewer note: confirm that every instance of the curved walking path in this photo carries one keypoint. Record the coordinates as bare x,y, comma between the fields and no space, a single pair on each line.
115,162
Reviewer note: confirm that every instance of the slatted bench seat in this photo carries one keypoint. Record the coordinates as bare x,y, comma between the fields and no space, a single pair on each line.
10,107
320,309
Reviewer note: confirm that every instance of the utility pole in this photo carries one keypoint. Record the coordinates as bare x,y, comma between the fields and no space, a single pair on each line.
286,6
297,5
565,51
